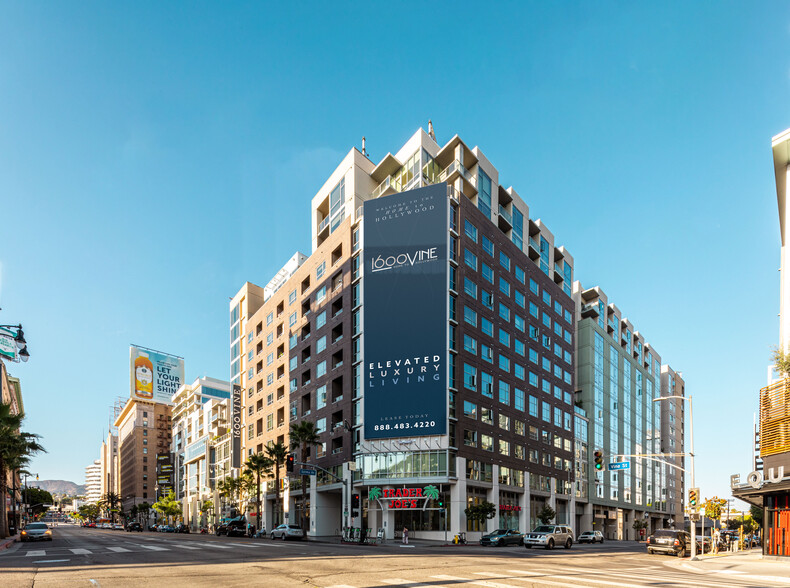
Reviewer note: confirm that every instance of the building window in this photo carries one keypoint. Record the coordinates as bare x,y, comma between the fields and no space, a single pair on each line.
470,230
484,195
319,271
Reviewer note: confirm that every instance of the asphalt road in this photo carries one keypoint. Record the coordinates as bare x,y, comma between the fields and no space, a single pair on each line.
96,558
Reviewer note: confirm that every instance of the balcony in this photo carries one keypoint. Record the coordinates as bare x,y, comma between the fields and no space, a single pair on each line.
390,185
323,226
505,218
534,249
455,170
589,310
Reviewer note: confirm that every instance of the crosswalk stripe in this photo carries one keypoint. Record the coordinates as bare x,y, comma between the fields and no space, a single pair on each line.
215,545
154,548
180,546
406,583
80,551
36,553
485,583
118,549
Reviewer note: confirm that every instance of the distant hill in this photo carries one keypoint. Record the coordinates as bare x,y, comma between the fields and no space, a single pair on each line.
58,486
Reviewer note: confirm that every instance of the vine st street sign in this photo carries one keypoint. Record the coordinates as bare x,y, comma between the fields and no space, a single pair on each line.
620,465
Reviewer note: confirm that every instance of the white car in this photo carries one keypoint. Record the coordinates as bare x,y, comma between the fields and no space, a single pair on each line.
548,536
590,537
287,532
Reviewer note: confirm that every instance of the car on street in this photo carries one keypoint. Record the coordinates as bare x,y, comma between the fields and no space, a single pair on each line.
232,527
36,532
549,536
134,526
287,532
166,529
671,541
181,528
590,537
117,526
502,537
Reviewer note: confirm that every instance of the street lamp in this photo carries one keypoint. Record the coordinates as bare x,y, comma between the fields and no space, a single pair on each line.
691,469
18,335
26,474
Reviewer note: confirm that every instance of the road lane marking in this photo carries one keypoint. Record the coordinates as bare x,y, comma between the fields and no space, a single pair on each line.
485,583
215,545
50,560
185,546
80,551
35,553
154,548
118,549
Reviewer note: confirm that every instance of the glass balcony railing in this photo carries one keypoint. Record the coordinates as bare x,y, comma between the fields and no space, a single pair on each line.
323,224
389,182
504,213
457,166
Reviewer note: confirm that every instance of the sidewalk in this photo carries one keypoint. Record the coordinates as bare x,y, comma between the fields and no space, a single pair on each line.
739,564
8,542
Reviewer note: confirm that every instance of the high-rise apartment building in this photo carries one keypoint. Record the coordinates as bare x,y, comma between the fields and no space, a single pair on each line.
144,437
619,378
507,434
200,446
768,486
109,465
93,482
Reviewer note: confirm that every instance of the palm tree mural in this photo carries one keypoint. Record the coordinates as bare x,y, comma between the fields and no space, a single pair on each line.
431,492
374,494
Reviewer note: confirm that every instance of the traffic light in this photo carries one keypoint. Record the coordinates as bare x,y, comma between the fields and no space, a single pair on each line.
440,502
355,501
598,459
693,497
289,463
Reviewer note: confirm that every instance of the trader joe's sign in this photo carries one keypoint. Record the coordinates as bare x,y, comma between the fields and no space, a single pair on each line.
404,498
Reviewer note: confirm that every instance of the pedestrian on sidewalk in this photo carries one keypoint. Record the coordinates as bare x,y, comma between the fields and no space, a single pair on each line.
716,539
405,536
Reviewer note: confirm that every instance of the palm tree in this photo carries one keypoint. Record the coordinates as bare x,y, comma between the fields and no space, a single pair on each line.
258,465
304,435
277,453
13,443
143,509
108,502
16,465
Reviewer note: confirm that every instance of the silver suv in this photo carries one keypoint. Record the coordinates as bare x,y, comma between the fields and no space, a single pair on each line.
548,536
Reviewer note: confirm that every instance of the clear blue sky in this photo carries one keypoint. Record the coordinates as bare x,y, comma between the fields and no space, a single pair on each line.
153,157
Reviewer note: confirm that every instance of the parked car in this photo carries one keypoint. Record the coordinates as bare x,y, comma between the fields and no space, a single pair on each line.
669,541
232,527
91,525
502,537
548,536
36,532
287,532
704,544
181,528
134,526
590,537
117,526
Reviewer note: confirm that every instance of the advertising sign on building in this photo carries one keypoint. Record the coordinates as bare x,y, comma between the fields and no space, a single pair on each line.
154,376
164,474
405,313
7,344
235,429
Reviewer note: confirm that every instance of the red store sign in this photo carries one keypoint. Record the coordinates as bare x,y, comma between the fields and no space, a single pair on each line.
510,507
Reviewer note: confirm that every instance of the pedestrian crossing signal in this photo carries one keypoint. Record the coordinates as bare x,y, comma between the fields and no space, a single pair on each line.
598,459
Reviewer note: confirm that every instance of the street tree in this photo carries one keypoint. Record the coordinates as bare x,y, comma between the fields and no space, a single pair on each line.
13,443
109,503
480,512
36,498
168,506
277,452
304,436
258,465
546,514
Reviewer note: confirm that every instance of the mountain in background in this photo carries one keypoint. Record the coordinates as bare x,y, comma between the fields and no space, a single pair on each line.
58,486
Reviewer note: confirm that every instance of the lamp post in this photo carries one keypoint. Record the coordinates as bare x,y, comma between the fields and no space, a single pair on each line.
10,336
691,469
26,474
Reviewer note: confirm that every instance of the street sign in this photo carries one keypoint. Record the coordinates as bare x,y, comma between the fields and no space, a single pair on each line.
620,465
306,472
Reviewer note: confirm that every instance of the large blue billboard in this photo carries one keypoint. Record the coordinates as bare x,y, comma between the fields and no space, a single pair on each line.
405,313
